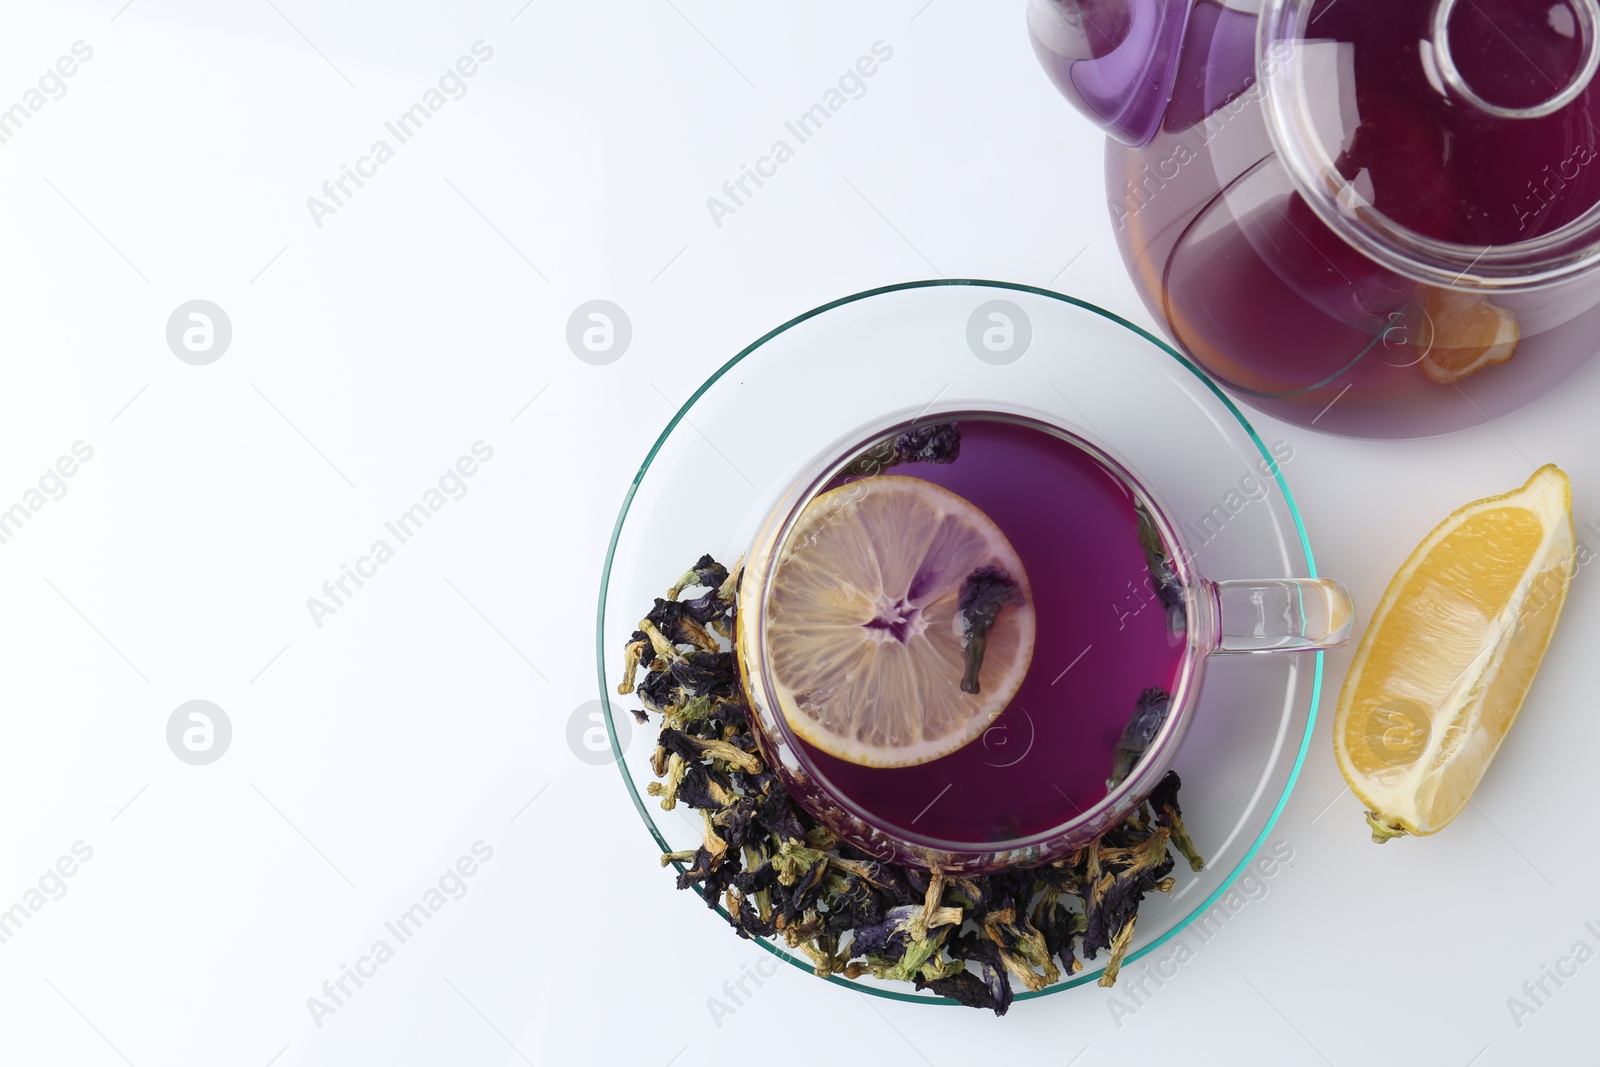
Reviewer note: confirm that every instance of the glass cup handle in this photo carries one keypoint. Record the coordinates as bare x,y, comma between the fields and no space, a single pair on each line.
1280,614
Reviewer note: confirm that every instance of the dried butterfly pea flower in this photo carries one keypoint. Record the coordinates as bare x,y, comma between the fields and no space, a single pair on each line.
638,653
921,953
989,988
971,893
886,879
1022,948
707,609
703,673
776,814
888,939
932,899
677,767
795,861
737,821
700,787
890,948
967,988
1164,801
700,868
1011,887
1113,902
730,586
1119,949
930,444
821,839
1149,715
853,905
747,922
939,443
705,572
795,905
983,594
1163,575
715,843
657,691
1116,903
819,946
670,618
917,956
754,881
1060,926
1061,877
660,644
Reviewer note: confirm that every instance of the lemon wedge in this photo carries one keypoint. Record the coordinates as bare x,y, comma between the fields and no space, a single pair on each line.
863,630
1452,649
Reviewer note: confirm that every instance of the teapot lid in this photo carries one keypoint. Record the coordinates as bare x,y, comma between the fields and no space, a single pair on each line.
1455,141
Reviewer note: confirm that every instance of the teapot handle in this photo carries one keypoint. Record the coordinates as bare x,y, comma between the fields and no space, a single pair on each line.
1114,60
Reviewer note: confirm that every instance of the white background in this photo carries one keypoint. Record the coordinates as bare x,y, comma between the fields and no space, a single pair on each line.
430,711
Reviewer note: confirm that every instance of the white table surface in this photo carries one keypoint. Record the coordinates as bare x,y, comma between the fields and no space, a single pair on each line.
375,746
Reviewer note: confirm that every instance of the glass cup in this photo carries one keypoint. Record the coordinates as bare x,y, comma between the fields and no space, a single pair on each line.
1206,618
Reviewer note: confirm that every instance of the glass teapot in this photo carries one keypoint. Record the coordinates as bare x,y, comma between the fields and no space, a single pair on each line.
1375,217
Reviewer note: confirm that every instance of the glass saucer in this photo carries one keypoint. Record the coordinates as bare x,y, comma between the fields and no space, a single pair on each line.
932,346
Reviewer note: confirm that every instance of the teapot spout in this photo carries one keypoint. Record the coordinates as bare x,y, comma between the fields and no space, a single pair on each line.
1115,60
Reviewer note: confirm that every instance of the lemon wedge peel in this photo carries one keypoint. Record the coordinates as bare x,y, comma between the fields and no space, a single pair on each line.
1437,680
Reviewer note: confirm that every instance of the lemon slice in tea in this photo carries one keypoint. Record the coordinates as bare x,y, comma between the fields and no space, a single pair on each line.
1468,334
1451,651
863,631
